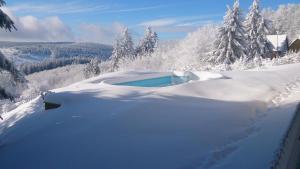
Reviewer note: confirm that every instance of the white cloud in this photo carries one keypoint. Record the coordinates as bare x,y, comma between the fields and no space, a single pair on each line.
195,23
31,28
53,29
100,34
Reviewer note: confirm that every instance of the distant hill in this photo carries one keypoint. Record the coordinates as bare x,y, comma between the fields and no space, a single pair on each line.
24,52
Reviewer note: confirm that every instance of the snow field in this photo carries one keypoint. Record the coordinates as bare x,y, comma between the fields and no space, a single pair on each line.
288,90
216,123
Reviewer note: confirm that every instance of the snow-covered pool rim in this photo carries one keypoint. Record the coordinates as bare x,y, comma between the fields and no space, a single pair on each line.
137,77
192,76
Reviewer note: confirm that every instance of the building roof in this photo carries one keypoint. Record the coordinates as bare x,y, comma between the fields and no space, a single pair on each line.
294,41
297,38
278,42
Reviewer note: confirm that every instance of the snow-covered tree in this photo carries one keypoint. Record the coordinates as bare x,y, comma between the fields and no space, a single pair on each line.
5,65
148,43
92,69
5,21
256,29
285,19
231,41
123,48
10,79
7,24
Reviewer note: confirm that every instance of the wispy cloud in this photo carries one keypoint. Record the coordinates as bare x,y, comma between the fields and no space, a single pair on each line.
159,22
179,24
63,8
75,7
134,9
191,20
196,23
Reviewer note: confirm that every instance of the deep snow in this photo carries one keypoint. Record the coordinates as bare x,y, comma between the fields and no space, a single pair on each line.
233,120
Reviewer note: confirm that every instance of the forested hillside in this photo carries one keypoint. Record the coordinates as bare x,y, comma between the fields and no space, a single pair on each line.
23,52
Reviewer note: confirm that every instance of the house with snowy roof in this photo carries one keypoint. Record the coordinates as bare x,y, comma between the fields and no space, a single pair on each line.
278,44
295,45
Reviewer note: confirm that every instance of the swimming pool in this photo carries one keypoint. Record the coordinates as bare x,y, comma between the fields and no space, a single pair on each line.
157,82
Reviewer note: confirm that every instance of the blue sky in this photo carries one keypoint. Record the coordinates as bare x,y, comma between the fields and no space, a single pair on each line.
99,20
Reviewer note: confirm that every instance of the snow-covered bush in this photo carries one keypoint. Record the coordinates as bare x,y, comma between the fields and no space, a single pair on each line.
289,58
92,69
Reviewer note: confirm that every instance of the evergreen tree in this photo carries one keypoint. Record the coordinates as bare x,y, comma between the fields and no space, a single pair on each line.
5,22
92,68
5,65
148,43
231,41
123,48
116,55
257,29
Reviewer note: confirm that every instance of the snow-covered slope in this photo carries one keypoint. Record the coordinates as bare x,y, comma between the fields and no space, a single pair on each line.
233,120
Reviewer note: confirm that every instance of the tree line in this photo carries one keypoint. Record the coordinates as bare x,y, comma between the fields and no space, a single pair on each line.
124,48
48,64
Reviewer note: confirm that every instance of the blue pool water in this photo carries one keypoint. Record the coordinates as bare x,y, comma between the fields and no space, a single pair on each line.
157,82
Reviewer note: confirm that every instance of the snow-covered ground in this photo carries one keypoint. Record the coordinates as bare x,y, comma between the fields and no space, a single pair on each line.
234,120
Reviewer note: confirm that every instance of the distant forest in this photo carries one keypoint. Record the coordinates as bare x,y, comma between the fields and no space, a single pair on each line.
32,57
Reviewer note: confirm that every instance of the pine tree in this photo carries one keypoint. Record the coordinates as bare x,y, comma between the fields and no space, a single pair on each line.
5,22
123,48
257,29
231,41
116,55
6,65
148,43
92,69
